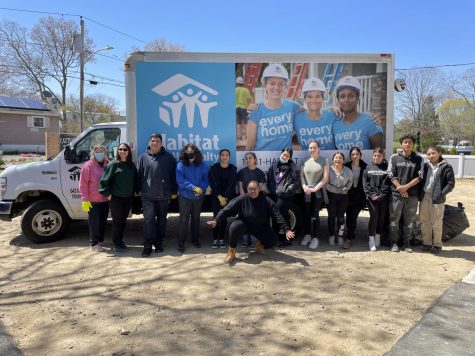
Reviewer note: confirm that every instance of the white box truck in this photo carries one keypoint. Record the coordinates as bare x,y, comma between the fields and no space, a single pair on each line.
187,97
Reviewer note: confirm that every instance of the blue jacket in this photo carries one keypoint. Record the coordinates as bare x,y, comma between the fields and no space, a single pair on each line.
190,176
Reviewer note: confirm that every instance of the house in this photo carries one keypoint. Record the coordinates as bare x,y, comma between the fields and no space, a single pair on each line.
23,124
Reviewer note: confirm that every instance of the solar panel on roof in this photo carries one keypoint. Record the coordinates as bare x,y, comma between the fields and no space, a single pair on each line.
21,103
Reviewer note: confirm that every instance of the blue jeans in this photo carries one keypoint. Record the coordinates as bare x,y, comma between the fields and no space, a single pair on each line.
155,221
189,207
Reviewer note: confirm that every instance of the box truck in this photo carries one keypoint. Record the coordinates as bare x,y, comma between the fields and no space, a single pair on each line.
191,98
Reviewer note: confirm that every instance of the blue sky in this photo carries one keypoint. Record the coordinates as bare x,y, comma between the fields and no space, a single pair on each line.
420,33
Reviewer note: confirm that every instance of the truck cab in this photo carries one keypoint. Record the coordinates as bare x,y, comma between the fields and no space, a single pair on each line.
46,194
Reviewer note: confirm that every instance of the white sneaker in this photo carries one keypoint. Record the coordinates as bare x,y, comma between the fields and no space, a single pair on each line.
313,244
331,240
377,240
341,232
97,248
372,246
341,241
306,240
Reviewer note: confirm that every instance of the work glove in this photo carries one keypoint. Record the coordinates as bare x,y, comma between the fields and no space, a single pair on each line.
198,191
222,201
174,196
86,206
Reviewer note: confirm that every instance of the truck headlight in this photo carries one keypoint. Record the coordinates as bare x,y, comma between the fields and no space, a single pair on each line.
3,186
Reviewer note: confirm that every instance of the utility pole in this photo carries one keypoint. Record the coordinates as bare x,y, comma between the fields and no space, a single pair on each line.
81,76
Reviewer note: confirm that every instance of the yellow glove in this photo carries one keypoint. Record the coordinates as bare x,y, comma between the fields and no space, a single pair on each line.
86,206
222,200
198,191
174,196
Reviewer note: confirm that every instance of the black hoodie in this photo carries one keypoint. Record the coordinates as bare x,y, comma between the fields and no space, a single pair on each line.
405,169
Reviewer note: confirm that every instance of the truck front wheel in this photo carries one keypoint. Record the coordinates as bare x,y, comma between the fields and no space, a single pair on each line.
44,221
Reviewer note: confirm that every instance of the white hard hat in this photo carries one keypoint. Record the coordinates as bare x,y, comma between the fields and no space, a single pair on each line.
275,70
313,84
348,82
239,80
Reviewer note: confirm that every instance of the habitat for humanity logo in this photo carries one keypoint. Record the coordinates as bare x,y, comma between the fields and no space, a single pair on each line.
196,96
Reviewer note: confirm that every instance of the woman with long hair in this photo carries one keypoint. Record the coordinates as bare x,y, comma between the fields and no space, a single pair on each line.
314,173
438,180
356,195
222,180
119,183
339,183
192,180
282,182
377,188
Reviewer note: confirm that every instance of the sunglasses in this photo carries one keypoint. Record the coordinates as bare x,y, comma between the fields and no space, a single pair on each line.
123,149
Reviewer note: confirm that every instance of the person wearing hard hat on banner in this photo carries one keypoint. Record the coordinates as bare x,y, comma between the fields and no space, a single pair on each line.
270,126
243,100
314,124
355,129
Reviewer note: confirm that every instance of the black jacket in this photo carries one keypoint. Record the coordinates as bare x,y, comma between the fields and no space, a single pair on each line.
287,185
405,169
223,180
157,175
376,182
256,213
357,195
444,182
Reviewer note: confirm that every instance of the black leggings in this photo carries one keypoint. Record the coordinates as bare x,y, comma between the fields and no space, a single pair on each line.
336,211
378,210
312,215
264,234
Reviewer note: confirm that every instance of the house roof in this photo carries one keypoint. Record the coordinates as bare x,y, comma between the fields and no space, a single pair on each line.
10,102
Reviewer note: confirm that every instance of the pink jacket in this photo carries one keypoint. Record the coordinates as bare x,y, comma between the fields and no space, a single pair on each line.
91,174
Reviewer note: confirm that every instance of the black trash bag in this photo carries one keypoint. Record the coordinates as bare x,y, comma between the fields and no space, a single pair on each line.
455,221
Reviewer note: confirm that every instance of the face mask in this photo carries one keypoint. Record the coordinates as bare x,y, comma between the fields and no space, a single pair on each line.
189,155
284,161
99,156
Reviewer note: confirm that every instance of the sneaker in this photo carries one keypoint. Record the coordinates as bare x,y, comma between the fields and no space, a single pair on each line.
197,244
158,248
222,244
331,240
341,241
426,248
118,249
97,248
436,250
181,248
215,244
247,241
347,245
341,232
306,240
313,244
147,251
377,240
122,245
371,243
408,250
395,248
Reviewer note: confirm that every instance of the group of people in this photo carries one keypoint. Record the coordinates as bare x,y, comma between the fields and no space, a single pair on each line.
272,123
393,188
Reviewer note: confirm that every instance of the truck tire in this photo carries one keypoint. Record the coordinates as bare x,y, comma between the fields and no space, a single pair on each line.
44,221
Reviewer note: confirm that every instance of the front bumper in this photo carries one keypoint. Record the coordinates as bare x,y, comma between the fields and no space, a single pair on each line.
6,210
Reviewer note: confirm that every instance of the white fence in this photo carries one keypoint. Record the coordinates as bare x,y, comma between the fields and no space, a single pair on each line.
464,166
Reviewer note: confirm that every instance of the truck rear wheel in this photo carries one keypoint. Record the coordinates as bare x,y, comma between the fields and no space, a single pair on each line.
294,217
44,221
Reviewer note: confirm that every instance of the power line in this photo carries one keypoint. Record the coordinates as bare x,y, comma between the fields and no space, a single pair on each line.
113,29
438,66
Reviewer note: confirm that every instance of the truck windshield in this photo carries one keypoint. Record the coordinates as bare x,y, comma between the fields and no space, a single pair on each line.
108,137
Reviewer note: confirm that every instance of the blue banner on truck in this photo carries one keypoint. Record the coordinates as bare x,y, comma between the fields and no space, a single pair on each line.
187,103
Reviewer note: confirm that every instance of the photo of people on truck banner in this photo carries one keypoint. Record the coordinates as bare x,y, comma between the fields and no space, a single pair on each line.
263,107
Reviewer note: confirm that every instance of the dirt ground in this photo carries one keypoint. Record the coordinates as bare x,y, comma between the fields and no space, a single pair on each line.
63,299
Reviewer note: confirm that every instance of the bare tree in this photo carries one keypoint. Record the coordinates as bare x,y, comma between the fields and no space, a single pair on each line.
457,119
161,45
463,86
42,58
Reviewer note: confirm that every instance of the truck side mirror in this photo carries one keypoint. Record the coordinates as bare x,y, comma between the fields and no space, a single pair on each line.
69,155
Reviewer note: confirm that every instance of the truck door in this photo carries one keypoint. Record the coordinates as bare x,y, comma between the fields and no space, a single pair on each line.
71,170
